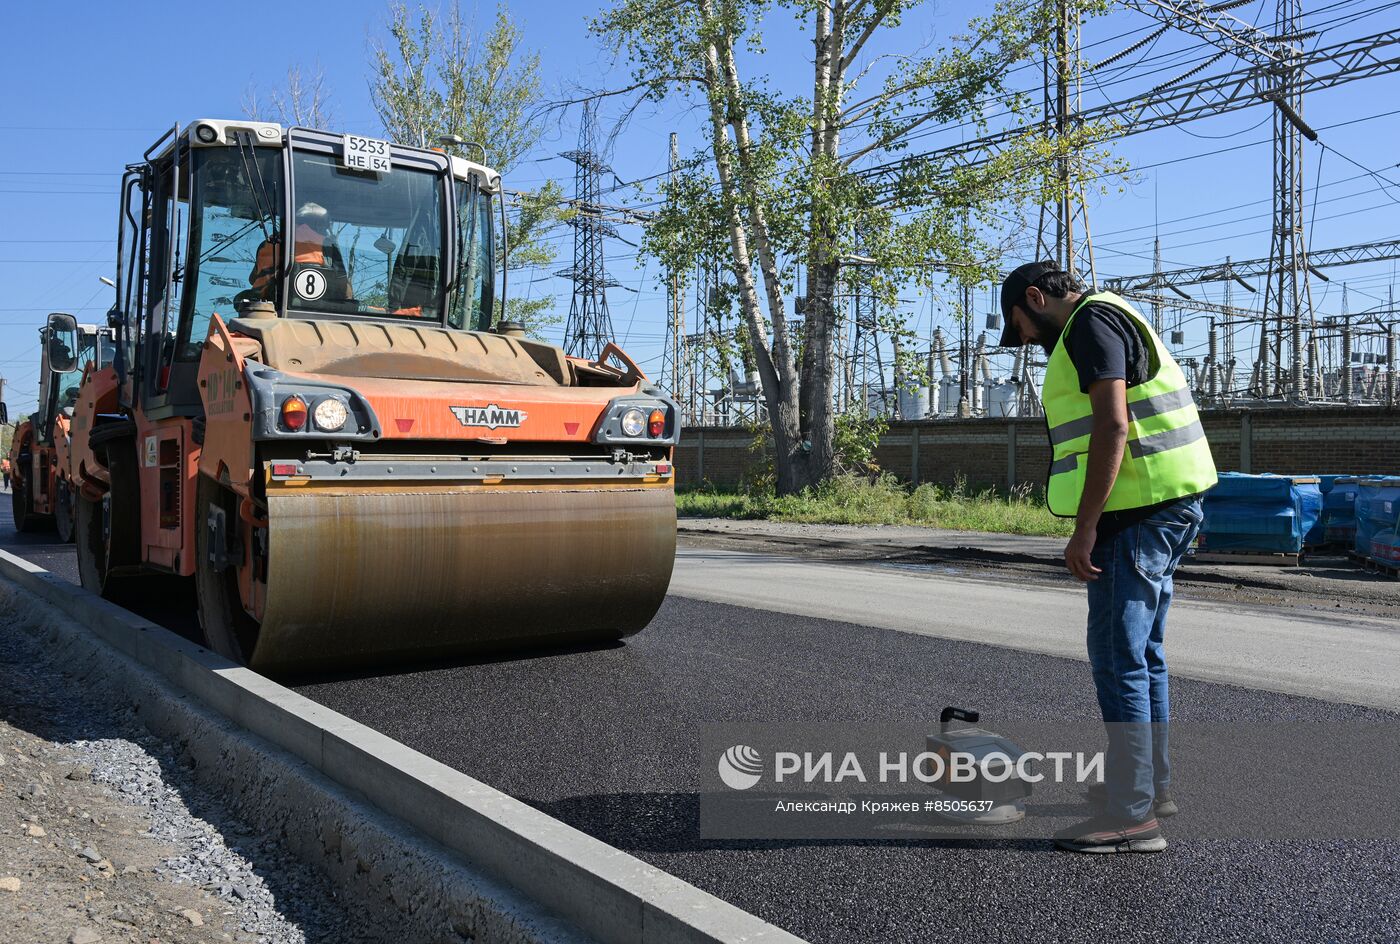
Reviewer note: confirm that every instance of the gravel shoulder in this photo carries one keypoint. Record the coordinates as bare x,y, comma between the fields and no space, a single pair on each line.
104,837
1325,583
78,864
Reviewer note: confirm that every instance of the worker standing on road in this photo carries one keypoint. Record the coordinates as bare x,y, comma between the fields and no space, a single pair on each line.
5,468
1129,463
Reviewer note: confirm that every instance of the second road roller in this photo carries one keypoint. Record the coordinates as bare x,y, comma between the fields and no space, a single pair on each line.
41,484
312,413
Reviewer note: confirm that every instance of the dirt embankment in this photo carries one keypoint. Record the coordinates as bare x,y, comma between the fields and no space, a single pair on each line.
78,865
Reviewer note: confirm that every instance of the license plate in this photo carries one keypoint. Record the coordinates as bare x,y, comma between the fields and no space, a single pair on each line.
366,154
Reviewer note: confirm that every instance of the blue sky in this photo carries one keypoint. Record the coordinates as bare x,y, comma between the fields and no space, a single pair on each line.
89,85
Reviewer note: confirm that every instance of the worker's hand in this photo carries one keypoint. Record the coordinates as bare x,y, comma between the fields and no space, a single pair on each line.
1077,555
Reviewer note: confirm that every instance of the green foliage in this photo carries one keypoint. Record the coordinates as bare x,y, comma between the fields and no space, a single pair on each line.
759,475
435,79
854,499
787,180
857,436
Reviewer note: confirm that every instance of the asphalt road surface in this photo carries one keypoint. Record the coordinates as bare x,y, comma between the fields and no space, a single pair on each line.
607,740
1342,656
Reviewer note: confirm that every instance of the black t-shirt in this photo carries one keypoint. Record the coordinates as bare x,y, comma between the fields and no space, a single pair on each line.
1104,343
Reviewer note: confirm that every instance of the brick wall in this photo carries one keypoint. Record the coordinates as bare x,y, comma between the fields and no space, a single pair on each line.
1004,452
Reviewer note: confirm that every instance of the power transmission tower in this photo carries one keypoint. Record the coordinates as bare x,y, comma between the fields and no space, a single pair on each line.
867,364
1062,96
966,360
1148,287
1156,277
867,379
1277,70
704,364
589,326
1288,293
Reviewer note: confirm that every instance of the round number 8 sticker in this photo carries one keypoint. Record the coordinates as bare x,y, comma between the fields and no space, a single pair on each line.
310,284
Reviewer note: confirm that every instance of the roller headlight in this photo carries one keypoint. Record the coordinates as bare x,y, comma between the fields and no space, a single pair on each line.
633,422
330,415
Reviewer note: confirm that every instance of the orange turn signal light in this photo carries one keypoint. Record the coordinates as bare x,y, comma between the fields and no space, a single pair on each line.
656,423
294,413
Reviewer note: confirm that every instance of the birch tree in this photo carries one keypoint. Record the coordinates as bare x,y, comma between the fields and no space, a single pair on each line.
793,180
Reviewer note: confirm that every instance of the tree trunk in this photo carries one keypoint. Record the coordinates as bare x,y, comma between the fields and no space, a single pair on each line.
817,381
823,258
779,390
776,364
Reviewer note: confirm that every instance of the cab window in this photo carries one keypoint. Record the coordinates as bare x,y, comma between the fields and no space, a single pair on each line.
472,303
234,232
366,243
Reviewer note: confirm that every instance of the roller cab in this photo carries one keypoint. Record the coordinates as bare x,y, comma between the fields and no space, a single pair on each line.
313,415
41,461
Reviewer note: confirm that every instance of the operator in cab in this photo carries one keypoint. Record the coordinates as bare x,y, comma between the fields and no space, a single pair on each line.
314,247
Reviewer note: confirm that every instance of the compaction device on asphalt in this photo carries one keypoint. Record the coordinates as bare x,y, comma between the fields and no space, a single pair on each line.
1007,795
314,413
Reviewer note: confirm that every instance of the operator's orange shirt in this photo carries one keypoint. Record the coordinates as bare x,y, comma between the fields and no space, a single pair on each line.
310,250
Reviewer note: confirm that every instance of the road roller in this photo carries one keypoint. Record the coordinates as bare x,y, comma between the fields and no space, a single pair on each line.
42,494
315,414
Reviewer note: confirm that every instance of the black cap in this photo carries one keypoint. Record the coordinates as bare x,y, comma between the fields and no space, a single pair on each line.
1013,292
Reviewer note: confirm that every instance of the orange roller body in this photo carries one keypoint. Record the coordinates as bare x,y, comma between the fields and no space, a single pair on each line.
347,452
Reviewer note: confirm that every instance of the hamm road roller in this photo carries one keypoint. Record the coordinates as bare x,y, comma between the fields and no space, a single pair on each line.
312,413
42,489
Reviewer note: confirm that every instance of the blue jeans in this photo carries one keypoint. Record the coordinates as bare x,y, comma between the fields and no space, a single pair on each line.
1127,623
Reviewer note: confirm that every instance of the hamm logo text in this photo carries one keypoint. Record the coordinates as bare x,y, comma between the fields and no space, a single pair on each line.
490,417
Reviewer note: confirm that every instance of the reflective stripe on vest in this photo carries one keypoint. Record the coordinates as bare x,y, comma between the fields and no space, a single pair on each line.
1138,410
1167,455
1146,446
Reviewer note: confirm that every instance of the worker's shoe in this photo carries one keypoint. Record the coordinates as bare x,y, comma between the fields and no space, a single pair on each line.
1104,834
1164,804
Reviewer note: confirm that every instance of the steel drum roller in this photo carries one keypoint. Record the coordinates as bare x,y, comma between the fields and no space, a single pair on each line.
362,576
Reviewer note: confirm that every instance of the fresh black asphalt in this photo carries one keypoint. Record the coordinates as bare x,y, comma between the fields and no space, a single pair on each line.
607,740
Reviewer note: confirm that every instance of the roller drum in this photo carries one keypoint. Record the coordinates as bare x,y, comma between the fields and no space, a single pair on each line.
365,576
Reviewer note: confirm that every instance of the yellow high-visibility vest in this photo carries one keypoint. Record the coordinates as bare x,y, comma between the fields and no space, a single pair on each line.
1166,455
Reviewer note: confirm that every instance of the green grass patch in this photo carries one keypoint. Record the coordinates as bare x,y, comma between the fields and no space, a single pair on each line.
858,500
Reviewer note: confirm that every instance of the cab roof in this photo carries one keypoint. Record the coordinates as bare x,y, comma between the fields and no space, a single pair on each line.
272,134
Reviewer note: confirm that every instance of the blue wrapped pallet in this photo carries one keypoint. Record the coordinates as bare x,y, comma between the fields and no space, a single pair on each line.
1317,534
1377,509
1338,521
1262,514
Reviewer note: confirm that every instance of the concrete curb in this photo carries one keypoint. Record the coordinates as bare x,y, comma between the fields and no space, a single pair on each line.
600,891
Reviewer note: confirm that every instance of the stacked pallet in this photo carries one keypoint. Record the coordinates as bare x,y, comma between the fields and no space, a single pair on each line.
1377,523
1338,520
1259,518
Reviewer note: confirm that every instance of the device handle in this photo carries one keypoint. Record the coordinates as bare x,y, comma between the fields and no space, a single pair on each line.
956,714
